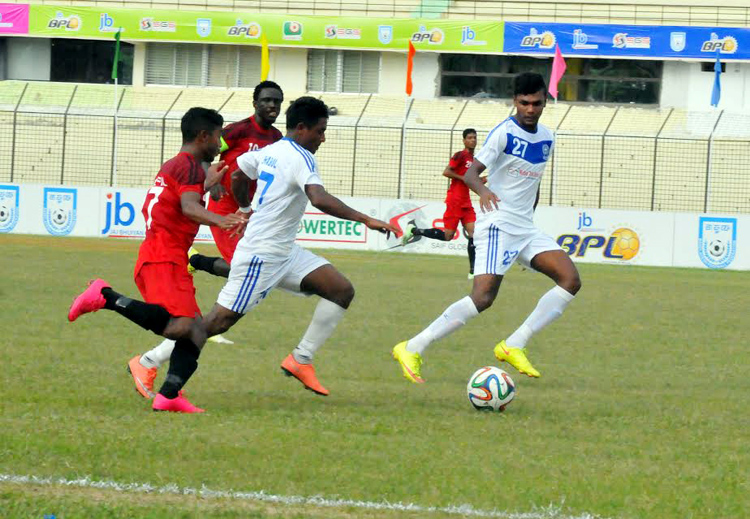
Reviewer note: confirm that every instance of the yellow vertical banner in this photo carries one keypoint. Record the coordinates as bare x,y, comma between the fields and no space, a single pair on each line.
265,66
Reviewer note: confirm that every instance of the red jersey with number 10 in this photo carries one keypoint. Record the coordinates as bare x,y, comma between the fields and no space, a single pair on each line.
169,233
458,192
240,137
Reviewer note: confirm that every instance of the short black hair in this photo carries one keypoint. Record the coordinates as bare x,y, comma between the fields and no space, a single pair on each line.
197,119
528,83
265,84
469,131
307,110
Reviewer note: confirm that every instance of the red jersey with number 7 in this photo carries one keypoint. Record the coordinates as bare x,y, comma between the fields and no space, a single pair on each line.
458,192
169,233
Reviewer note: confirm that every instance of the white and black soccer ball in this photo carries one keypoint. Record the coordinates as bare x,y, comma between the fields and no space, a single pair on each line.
490,389
59,216
717,248
5,213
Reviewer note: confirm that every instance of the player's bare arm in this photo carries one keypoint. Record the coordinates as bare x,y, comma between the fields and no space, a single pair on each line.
487,199
329,204
449,173
192,207
214,174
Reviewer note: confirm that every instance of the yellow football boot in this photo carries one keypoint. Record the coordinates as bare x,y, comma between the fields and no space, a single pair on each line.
410,362
516,358
191,252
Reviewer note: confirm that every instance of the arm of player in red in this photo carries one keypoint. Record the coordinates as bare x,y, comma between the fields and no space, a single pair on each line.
191,203
329,204
487,199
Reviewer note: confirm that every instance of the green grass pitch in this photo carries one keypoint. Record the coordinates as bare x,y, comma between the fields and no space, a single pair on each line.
641,411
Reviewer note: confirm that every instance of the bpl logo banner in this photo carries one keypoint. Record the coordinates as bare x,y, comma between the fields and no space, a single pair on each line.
717,241
9,197
60,210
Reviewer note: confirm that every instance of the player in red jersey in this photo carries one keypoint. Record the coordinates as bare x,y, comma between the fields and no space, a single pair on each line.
250,134
173,211
458,206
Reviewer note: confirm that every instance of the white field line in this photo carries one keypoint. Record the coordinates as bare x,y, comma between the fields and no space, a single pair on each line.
549,512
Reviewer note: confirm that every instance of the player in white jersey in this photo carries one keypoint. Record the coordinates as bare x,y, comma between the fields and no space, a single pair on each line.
267,257
515,153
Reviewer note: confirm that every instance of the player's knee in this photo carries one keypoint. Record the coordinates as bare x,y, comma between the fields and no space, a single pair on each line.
571,283
449,234
483,300
344,295
178,329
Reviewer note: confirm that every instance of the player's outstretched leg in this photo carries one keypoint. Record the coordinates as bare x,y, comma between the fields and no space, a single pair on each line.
557,265
336,294
212,264
409,354
100,295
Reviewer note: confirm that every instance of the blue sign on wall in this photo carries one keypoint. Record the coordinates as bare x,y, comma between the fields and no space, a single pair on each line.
622,41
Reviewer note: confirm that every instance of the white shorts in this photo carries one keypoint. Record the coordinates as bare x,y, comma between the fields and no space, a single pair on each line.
252,278
498,246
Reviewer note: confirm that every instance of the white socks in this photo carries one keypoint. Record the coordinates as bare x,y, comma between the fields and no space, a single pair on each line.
454,317
159,355
325,319
549,308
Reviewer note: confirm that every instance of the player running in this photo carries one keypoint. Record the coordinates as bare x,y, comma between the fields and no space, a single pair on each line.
515,153
267,257
174,211
250,134
458,206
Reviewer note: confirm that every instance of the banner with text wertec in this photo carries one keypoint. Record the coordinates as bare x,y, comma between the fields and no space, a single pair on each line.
588,235
279,30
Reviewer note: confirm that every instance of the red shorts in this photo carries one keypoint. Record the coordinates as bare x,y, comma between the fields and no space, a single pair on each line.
225,243
458,212
170,286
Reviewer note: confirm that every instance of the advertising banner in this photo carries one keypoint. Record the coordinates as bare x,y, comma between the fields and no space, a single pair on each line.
587,235
280,30
623,41
14,19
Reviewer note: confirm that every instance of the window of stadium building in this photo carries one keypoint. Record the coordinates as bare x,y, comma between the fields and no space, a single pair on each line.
586,79
343,71
185,64
84,61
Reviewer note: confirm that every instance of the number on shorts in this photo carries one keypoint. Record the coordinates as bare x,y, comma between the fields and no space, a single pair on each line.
155,192
509,256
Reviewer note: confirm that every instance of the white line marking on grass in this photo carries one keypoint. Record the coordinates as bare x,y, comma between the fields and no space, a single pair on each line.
548,512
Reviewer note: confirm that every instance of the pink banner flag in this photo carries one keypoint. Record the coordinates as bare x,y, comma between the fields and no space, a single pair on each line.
558,69
14,19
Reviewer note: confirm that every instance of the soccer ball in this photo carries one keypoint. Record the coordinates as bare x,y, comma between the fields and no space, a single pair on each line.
716,248
490,389
626,244
4,214
59,216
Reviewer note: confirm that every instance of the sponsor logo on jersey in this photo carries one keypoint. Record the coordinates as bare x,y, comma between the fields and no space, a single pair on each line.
69,23
59,210
621,40
717,241
149,24
544,40
432,36
248,30
725,45
292,31
9,199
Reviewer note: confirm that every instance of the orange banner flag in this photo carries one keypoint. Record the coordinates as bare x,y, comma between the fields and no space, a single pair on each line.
409,68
